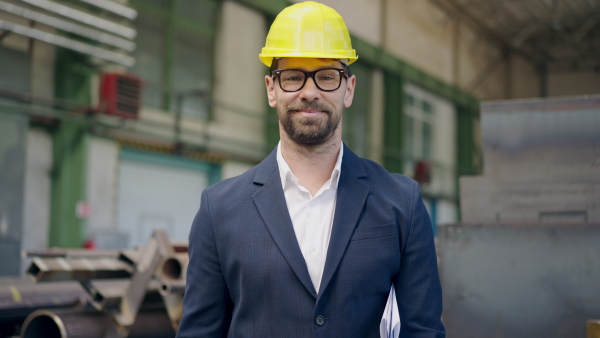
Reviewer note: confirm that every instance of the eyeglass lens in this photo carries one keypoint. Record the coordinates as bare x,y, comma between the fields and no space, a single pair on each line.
325,79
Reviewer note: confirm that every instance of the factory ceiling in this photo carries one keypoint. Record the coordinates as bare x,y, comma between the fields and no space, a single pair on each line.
562,35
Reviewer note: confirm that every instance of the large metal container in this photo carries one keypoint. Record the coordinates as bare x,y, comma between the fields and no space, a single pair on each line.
520,280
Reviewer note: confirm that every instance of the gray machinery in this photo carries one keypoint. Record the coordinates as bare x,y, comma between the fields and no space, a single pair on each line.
525,261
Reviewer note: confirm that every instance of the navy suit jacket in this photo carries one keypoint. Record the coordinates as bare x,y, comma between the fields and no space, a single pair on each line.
247,277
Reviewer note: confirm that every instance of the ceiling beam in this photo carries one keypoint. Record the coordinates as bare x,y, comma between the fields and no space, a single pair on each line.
591,45
487,72
545,21
477,3
449,5
584,29
590,3
523,34
567,4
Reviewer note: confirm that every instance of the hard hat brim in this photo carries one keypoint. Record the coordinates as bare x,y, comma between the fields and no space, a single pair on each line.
266,57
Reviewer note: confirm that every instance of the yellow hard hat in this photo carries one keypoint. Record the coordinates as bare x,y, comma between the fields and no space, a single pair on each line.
311,30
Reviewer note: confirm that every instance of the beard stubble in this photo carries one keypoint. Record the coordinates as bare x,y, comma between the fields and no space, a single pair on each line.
308,131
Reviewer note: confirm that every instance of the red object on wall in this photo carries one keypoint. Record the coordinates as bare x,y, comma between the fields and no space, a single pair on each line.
89,244
120,95
422,174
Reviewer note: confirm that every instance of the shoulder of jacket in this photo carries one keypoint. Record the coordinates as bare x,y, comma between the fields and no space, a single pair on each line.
376,171
232,184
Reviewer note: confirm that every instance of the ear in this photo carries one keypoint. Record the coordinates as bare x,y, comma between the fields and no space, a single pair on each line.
269,82
349,95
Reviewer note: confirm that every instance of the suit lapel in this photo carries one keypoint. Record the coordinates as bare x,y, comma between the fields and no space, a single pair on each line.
351,197
270,202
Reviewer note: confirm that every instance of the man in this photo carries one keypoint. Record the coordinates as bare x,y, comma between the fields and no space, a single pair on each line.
309,242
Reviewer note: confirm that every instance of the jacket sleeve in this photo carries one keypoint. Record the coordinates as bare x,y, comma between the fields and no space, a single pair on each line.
206,304
418,289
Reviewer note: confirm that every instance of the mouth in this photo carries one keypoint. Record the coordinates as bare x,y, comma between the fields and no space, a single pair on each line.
309,112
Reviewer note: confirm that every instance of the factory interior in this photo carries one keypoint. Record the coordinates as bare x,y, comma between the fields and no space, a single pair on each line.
115,115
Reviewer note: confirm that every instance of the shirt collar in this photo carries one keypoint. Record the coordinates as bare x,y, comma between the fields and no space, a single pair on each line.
286,175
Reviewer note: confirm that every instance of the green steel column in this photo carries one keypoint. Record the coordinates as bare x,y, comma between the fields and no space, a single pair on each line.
466,144
468,150
169,56
70,148
393,122
68,185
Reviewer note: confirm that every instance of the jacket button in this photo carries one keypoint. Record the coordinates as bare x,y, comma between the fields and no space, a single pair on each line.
320,320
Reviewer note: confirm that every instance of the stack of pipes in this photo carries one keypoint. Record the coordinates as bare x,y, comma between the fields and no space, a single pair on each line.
126,293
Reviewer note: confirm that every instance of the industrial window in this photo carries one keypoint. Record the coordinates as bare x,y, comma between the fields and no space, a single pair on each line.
15,67
418,126
429,141
174,54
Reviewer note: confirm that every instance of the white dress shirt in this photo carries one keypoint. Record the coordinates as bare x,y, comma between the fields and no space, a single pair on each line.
312,216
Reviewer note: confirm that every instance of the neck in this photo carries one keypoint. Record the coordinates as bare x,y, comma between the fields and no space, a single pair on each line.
312,166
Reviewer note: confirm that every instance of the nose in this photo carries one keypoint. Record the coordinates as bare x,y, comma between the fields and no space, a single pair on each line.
309,92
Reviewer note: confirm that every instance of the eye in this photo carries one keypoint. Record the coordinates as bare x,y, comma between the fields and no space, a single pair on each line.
292,78
328,76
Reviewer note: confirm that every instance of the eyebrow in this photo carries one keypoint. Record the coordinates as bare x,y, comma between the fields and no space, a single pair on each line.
300,67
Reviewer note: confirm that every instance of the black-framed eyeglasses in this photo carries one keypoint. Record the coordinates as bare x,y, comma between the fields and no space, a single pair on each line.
327,80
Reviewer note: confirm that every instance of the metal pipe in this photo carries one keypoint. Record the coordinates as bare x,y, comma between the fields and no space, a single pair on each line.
174,267
150,258
66,324
173,303
171,269
167,288
150,323
71,253
20,297
172,296
63,269
132,254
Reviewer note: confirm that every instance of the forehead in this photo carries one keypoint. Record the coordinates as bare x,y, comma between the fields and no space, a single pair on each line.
307,63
